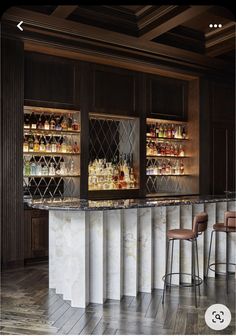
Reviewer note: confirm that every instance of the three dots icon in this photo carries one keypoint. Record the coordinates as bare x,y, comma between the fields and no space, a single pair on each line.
211,25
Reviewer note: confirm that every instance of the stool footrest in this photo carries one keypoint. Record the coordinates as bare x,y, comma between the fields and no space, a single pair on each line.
221,263
197,281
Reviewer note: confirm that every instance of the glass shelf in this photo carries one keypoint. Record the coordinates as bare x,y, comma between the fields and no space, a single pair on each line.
56,176
166,156
50,153
49,132
162,138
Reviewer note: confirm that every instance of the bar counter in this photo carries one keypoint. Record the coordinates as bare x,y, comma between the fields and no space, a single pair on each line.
102,250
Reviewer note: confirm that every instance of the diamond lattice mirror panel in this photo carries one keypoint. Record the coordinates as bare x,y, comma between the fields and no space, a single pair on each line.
169,168
113,153
51,152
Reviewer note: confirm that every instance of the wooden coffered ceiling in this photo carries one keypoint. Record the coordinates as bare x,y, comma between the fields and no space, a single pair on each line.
180,26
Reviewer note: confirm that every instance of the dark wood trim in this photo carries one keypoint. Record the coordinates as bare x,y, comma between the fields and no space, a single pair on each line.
113,194
221,41
112,40
63,11
12,229
163,19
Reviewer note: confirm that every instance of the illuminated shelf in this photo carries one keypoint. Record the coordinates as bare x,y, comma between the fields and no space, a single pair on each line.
49,132
47,110
50,153
166,156
162,138
167,174
56,176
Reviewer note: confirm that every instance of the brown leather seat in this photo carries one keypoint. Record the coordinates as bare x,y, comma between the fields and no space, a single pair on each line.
180,234
199,225
223,228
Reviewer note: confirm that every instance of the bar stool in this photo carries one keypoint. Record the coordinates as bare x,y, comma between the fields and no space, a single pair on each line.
229,226
199,226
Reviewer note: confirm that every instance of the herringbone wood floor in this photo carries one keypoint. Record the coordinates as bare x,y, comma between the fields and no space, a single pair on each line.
29,307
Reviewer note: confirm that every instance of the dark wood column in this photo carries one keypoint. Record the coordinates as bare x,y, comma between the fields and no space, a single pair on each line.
12,230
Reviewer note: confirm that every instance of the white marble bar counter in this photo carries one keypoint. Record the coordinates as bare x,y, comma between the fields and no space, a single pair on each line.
102,250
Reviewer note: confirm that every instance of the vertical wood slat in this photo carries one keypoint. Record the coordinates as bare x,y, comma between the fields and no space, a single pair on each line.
97,256
114,236
12,54
145,250
130,243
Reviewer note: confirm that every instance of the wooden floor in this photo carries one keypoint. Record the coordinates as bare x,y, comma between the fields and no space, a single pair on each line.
29,307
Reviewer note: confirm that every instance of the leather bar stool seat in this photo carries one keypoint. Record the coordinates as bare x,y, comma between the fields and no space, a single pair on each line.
199,226
229,226
223,228
181,234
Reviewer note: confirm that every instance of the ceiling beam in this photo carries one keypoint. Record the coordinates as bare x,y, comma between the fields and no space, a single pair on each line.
166,18
63,11
94,36
220,41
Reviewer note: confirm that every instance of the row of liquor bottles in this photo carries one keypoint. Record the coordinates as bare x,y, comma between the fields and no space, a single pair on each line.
51,122
32,168
61,144
166,167
156,148
115,174
169,131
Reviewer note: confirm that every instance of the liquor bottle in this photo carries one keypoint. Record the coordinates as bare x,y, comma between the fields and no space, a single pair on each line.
51,170
53,145
168,168
52,123
25,145
27,169
33,121
152,131
70,147
177,168
64,145
75,124
172,169
36,144
48,146
176,151
64,124
33,168
158,149
76,148
69,122
183,132
148,130
40,123
157,130
163,168
181,167
173,131
26,121
42,147
44,170
160,131
58,146
167,149
181,151
38,169
165,132
31,143
72,168
58,124
46,124
169,132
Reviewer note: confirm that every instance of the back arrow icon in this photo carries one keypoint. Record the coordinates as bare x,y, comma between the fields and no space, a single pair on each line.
19,25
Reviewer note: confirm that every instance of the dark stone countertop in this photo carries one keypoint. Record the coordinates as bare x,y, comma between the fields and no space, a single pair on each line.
75,204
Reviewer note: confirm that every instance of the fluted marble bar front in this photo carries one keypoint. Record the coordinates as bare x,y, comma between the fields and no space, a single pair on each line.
105,254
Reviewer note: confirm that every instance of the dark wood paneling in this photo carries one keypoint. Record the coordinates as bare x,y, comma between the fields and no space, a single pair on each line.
11,152
167,98
114,91
223,102
36,233
50,81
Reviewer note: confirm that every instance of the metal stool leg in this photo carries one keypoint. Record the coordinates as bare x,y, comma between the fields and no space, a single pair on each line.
166,271
227,262
199,292
194,274
171,262
209,255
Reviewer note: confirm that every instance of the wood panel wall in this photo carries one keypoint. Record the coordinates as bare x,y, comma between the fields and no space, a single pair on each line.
12,230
